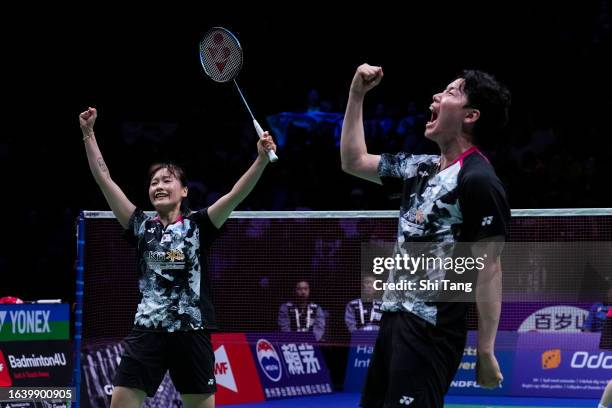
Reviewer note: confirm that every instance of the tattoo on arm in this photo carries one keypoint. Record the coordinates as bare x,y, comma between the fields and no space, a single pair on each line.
102,165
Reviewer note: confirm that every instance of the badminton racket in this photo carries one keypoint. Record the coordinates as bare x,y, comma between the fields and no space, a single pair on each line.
221,57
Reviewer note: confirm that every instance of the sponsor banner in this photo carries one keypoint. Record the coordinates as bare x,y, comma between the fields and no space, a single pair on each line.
360,353
543,316
464,382
289,364
20,404
34,322
29,404
36,363
552,365
555,319
561,365
99,365
235,374
235,371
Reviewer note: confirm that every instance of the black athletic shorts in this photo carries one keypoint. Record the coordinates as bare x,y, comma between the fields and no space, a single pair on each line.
148,355
413,363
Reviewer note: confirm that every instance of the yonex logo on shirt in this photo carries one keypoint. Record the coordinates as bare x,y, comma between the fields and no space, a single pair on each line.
487,221
406,400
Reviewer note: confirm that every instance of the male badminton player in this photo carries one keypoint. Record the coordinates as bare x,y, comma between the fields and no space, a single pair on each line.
175,315
448,198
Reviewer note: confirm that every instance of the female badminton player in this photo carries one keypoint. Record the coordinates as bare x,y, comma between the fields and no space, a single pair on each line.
175,315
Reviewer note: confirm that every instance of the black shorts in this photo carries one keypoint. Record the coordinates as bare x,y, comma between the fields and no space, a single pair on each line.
413,363
148,355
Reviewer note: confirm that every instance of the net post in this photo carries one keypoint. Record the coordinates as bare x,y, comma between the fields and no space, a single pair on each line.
78,308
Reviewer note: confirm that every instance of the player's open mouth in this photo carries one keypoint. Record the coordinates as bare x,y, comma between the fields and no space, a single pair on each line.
160,195
434,116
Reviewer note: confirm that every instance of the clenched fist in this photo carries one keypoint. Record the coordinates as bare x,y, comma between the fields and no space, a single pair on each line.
366,77
87,120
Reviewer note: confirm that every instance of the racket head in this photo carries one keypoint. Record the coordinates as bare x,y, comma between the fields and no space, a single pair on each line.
220,54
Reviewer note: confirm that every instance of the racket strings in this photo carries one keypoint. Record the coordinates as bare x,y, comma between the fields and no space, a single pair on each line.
221,55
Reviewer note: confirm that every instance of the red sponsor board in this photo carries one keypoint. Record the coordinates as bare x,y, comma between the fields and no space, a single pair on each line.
235,372
5,378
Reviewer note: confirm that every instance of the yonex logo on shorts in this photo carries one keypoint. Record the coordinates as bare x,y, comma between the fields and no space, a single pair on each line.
487,221
406,400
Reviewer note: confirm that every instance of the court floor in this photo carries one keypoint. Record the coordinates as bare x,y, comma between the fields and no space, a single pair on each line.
342,400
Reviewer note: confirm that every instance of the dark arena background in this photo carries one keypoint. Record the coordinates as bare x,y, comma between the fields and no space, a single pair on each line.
306,219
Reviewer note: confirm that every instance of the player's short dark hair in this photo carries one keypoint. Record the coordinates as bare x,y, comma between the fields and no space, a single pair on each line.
174,169
491,98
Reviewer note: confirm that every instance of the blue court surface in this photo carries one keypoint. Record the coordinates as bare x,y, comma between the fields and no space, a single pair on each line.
342,400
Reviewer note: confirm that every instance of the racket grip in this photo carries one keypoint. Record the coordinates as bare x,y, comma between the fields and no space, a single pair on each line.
258,128
271,155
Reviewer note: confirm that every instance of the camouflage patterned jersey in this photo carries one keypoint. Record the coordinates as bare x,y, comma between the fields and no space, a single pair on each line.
172,265
465,202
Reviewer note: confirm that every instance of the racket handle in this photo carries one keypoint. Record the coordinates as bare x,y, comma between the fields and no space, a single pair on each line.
271,155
